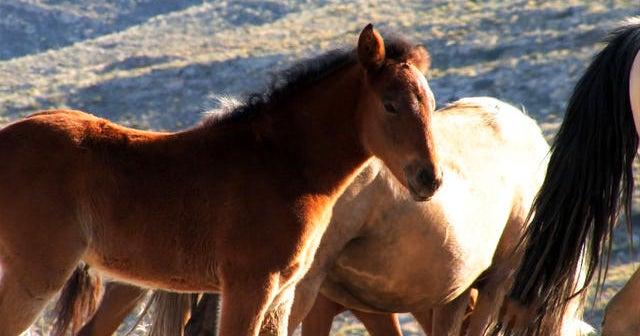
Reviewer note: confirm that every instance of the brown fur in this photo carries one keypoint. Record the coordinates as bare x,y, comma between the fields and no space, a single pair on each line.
236,205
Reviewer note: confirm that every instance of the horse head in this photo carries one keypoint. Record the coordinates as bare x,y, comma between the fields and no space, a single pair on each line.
397,99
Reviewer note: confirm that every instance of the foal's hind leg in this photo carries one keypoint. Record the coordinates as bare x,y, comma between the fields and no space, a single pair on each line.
29,278
40,247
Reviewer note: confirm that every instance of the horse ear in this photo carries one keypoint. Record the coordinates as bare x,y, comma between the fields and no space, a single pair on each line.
420,58
371,50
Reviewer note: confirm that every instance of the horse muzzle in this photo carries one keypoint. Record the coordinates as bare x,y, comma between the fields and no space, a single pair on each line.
423,180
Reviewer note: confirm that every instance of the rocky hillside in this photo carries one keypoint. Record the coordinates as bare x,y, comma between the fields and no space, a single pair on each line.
158,64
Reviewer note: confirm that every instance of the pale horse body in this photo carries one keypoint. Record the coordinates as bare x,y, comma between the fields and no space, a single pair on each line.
424,258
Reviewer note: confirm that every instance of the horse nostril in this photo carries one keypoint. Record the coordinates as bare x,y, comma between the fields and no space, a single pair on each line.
427,178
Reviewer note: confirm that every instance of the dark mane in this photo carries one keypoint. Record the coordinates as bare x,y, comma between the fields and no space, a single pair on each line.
284,84
589,180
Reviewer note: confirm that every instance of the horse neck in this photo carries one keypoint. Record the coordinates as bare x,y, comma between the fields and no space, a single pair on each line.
318,130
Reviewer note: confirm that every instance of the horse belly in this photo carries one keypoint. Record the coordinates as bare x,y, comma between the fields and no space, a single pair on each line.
415,264
154,268
148,251
400,277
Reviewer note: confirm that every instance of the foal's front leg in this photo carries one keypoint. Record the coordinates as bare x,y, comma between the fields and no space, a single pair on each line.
245,304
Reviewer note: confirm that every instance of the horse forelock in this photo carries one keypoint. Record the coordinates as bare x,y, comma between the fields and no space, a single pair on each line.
588,181
286,83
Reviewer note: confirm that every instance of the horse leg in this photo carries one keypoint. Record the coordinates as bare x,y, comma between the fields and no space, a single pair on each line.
448,319
204,318
246,303
473,300
379,324
621,317
24,294
33,268
318,321
490,295
306,297
117,302
425,320
425,317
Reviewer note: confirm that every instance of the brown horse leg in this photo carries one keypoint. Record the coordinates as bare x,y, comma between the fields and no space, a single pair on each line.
379,324
18,305
117,302
23,296
32,271
318,321
622,315
448,319
425,320
245,304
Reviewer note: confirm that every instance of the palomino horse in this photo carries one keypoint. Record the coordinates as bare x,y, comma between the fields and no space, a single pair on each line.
237,204
589,180
385,253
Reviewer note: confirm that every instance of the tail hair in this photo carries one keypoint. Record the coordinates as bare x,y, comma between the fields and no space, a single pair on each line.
77,301
589,181
169,312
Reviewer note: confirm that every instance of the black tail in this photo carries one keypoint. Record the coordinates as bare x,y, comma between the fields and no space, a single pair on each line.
589,179
77,301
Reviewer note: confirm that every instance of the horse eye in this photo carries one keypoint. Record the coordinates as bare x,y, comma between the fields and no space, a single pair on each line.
390,108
